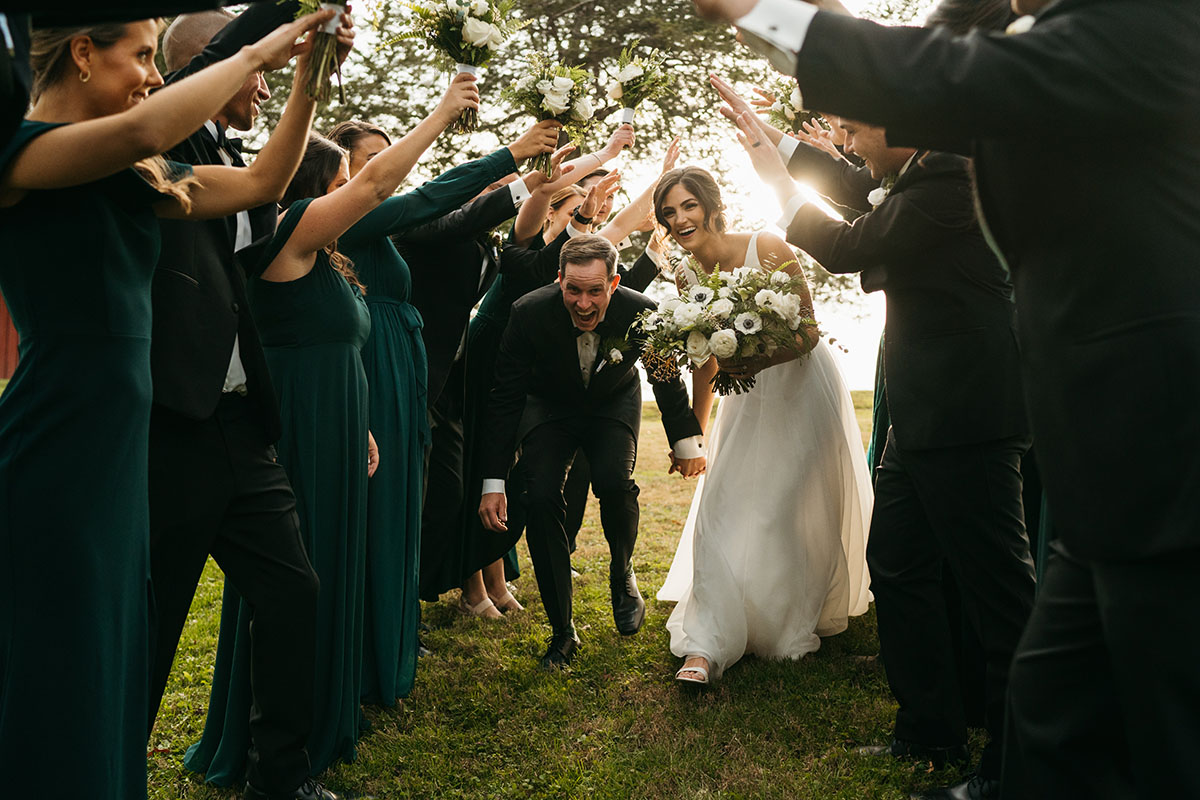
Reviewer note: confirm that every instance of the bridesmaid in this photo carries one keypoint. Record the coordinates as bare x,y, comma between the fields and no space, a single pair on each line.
308,303
74,575
395,363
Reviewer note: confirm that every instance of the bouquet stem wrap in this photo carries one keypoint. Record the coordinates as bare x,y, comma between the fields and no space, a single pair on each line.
468,121
324,59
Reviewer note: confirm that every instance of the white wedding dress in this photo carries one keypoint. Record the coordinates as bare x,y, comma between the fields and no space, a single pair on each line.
773,554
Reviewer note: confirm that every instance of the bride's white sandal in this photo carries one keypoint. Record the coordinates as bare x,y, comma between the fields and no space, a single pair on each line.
701,671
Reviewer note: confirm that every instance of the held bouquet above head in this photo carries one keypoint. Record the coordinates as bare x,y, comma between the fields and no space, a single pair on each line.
638,78
745,314
465,33
324,59
787,112
549,90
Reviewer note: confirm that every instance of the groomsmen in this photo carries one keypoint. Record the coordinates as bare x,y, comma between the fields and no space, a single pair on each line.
1103,242
215,486
567,380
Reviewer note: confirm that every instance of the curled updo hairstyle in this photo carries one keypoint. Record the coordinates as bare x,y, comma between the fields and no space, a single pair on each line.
963,16
561,196
320,165
51,62
347,134
702,186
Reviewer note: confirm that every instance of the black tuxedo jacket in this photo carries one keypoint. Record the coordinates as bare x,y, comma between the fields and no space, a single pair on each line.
538,378
843,184
199,289
1102,234
950,349
450,276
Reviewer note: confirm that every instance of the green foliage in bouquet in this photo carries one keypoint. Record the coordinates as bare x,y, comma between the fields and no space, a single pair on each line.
461,32
745,314
549,90
323,61
788,113
639,78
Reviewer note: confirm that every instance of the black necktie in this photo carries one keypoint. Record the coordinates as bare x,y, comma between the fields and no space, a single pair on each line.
230,144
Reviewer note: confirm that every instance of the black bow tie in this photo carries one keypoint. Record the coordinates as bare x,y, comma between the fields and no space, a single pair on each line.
230,144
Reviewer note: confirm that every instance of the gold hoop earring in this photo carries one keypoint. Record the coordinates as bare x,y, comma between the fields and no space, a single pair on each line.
84,77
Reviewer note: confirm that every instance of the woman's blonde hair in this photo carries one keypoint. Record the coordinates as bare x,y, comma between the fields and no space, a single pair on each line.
560,197
50,60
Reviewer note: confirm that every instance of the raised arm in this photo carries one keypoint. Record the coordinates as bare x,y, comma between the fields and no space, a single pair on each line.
86,151
245,29
583,166
331,215
639,215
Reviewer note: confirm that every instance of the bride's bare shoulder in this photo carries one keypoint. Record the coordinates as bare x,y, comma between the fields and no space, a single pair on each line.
773,251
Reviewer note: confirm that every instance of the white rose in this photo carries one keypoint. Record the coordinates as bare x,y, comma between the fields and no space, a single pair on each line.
765,298
796,100
877,196
669,304
496,37
748,322
583,110
697,348
687,314
564,85
616,356
476,32
700,294
777,106
545,86
724,344
479,7
779,277
615,91
724,293
524,83
722,308
556,103
1021,25
791,115
742,273
630,72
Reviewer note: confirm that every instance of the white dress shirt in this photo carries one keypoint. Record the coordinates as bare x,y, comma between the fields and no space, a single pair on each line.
777,28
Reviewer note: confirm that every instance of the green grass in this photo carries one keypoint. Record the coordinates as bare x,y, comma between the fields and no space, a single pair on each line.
484,722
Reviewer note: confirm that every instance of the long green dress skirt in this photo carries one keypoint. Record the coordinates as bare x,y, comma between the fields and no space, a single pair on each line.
396,367
313,330
74,513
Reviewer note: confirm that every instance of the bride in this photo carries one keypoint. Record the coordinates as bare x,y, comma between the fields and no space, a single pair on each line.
773,555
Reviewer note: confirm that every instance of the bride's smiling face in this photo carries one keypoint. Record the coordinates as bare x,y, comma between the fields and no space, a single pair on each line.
685,217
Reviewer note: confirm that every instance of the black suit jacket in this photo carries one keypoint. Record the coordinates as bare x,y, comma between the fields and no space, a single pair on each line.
1102,233
950,347
449,273
538,379
199,289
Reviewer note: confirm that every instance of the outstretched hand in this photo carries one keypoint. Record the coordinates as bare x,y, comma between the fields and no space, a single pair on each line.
537,179
812,134
463,93
277,48
765,158
540,138
598,194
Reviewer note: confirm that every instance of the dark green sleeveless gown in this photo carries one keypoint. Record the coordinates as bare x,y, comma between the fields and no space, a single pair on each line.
313,330
74,515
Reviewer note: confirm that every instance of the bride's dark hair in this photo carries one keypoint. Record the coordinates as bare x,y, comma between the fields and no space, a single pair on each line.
702,186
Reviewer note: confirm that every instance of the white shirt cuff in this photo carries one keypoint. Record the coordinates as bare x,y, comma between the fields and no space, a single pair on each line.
691,447
787,147
776,28
493,486
625,244
659,259
572,231
790,210
520,192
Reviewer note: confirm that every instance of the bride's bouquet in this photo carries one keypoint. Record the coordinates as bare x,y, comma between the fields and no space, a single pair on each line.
465,33
638,78
549,90
787,112
323,61
740,315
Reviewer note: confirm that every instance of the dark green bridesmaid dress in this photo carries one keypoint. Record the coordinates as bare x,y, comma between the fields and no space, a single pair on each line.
74,516
313,330
396,368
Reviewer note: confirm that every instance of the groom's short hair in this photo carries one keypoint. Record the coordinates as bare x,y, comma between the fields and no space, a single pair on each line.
587,248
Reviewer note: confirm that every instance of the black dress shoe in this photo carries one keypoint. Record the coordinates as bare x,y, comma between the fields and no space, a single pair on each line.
629,609
309,790
563,645
937,756
976,788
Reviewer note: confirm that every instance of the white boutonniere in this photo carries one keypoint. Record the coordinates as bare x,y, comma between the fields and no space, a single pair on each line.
614,352
1021,25
877,196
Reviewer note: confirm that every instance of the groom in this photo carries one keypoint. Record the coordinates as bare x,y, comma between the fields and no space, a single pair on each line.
567,381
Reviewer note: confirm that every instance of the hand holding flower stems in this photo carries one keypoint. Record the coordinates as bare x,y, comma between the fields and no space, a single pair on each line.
327,56
463,94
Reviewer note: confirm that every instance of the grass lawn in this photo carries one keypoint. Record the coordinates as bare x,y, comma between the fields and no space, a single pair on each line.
484,722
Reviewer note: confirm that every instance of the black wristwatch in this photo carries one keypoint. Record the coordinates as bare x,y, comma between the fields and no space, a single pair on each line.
580,219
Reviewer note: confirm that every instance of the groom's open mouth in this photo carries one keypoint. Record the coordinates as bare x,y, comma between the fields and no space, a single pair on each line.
586,317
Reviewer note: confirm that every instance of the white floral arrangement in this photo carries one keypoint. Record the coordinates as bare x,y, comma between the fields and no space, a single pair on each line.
787,112
549,90
637,79
466,33
736,315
